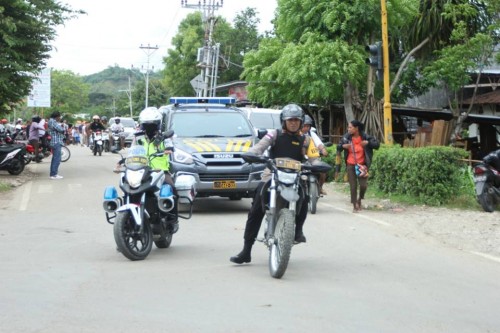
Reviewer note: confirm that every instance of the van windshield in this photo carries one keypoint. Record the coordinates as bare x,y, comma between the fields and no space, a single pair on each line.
213,124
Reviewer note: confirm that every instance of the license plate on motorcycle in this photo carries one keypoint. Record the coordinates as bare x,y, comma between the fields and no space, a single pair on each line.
285,163
224,184
479,178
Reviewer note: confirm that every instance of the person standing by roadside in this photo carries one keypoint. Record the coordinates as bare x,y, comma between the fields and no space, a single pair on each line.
83,133
34,136
358,150
56,131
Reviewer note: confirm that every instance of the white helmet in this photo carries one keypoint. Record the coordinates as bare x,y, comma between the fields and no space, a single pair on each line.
150,120
150,115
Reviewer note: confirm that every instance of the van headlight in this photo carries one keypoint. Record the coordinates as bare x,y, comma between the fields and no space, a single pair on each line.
134,177
181,156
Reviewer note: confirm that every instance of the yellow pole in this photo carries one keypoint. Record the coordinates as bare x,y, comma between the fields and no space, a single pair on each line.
387,93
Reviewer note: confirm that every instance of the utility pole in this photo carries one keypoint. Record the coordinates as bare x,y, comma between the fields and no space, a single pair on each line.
387,91
149,50
210,53
129,94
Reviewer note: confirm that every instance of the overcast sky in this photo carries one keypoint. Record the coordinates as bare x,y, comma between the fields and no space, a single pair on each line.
113,31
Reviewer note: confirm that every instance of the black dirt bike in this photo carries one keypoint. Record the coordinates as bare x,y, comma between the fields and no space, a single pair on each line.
286,194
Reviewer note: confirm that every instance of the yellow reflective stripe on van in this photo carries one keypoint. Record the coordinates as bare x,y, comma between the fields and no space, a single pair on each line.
212,146
194,146
239,145
247,145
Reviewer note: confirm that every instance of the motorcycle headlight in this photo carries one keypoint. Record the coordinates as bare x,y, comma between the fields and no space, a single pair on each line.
134,177
287,177
181,156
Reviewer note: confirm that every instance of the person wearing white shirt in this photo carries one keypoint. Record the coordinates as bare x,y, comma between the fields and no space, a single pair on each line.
118,128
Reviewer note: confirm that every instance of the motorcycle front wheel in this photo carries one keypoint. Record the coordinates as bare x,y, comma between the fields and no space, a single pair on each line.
486,199
313,197
279,252
16,166
133,243
65,154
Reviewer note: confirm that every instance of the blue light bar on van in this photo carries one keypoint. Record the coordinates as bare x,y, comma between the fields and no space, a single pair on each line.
202,100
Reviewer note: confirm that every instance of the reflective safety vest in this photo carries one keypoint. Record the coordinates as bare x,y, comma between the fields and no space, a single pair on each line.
312,150
157,163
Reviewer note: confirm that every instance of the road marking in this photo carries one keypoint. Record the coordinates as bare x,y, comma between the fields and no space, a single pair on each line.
44,189
487,256
385,224
26,196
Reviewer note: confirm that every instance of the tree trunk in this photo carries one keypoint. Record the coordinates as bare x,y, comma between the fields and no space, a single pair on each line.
348,102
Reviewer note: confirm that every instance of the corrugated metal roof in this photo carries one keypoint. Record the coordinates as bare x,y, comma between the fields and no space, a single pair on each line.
492,97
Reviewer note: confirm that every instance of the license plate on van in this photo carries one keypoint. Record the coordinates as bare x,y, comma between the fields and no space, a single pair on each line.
224,184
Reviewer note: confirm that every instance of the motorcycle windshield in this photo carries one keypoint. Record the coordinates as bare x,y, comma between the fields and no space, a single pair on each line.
136,158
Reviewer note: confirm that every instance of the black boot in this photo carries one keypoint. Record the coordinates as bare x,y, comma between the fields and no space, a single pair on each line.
244,256
299,236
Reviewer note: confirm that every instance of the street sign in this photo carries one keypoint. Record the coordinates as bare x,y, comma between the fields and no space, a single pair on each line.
39,95
198,83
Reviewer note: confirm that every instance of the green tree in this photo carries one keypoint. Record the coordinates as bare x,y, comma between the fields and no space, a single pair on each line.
26,29
318,55
69,94
180,63
455,39
235,42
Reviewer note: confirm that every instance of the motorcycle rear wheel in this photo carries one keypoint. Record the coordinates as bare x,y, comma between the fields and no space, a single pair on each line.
132,243
165,237
486,199
16,166
279,252
65,153
313,197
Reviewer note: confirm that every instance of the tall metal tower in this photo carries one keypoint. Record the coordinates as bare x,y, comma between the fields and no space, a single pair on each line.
208,55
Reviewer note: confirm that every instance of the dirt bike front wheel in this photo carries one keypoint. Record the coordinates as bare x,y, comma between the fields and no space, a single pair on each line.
279,252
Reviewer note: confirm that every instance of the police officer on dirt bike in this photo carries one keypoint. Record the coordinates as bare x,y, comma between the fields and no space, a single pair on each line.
286,142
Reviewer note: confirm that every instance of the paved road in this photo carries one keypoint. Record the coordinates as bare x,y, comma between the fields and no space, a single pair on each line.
60,271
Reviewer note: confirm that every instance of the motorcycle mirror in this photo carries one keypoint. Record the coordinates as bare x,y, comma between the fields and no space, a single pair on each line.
168,134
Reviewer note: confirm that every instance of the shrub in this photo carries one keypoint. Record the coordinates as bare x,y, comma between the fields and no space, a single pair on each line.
433,174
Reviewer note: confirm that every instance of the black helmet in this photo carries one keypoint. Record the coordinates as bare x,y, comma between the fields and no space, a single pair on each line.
291,111
117,120
308,120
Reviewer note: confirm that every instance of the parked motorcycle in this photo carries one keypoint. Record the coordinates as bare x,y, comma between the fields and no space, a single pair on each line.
487,183
45,151
143,214
96,143
286,193
12,158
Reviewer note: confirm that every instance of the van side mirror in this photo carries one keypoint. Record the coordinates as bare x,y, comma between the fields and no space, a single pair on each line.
261,133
